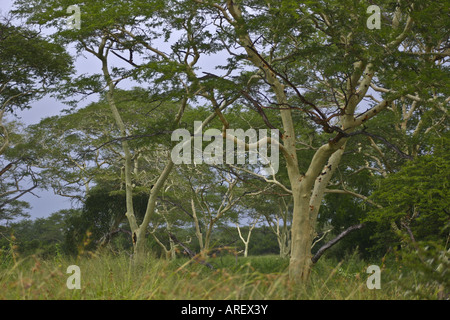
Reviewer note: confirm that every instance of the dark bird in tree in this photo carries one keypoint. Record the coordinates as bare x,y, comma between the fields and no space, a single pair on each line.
208,76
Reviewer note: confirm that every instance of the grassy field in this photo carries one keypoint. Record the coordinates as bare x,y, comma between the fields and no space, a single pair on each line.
106,276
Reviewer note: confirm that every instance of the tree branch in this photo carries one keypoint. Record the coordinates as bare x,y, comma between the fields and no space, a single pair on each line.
331,243
354,194
191,253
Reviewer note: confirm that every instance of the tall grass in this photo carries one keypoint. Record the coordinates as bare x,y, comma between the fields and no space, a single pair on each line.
108,276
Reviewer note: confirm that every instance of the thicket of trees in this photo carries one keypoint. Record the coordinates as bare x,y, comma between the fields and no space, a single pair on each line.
361,114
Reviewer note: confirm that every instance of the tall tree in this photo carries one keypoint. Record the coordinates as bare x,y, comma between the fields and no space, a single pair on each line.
320,59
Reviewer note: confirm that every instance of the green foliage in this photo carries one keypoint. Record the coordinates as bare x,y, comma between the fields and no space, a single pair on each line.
417,195
429,260
42,237
415,213
30,66
263,242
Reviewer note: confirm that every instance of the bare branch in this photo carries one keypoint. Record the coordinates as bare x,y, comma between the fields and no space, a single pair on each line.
331,243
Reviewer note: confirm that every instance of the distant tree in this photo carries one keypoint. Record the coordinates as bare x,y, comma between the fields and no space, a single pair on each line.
43,237
214,200
246,239
100,219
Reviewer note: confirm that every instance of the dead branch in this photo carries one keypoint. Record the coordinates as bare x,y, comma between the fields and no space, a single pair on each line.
331,243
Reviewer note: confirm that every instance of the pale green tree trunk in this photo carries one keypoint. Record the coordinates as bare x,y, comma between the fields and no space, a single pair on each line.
246,241
138,232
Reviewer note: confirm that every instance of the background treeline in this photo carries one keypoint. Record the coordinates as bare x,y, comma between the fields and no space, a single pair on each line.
407,204
420,183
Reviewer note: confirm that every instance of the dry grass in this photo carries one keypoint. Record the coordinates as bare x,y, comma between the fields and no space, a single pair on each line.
114,277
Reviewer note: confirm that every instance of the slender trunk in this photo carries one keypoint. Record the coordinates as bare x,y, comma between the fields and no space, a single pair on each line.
5,144
285,247
139,253
172,250
246,242
284,244
281,232
198,232
139,234
208,238
138,245
322,181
